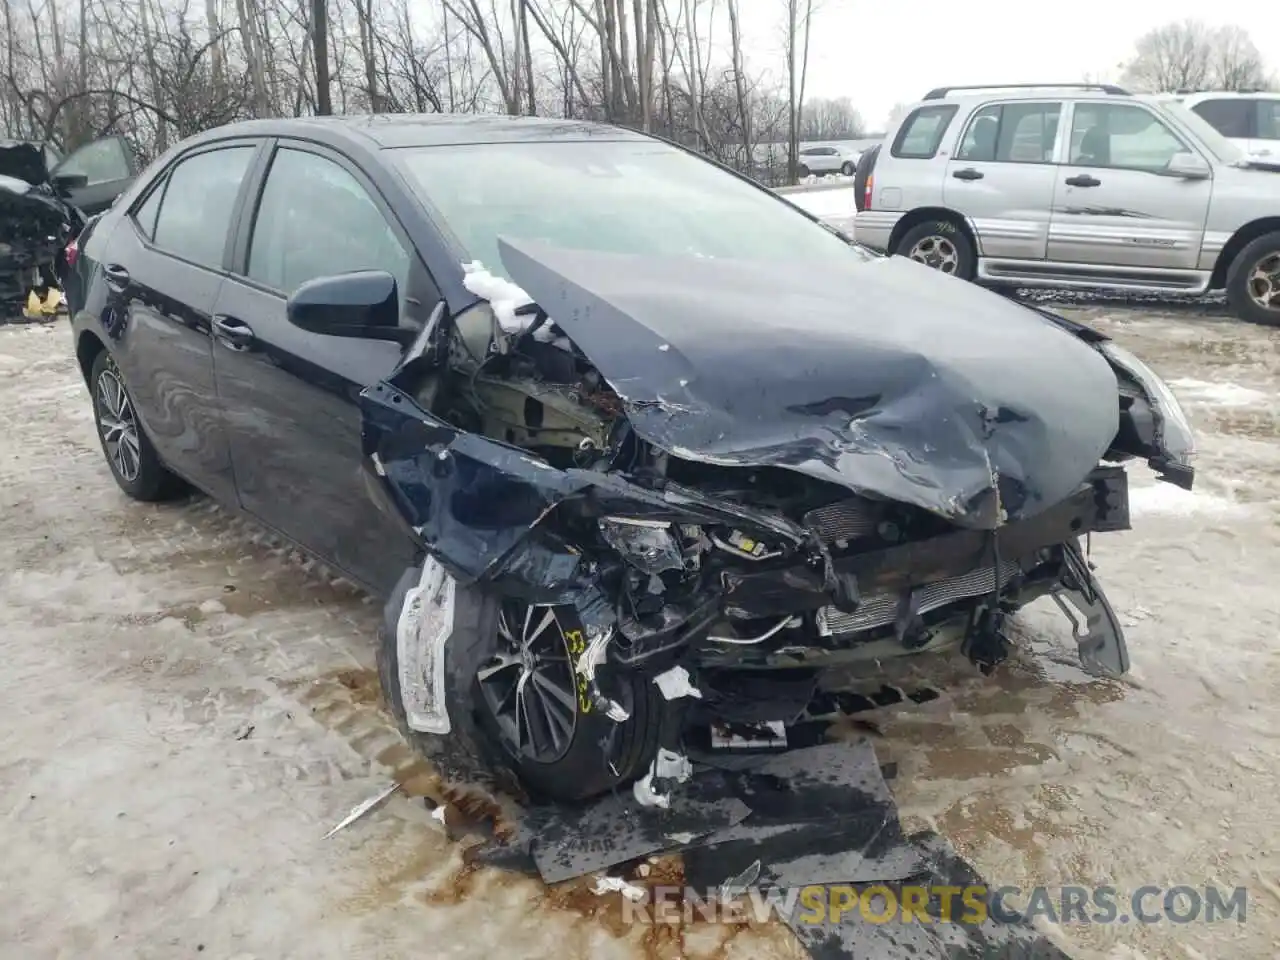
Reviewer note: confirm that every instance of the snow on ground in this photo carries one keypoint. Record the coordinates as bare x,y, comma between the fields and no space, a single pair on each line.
187,708
829,204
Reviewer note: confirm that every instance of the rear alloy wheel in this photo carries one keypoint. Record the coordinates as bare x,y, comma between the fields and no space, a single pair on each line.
133,461
1253,281
939,244
848,169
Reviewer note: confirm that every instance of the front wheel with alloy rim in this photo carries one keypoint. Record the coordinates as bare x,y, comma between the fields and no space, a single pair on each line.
942,245
130,455
1253,281
514,696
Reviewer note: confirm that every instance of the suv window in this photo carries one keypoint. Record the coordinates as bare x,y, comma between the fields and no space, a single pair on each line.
1268,119
1012,133
195,213
921,133
1121,136
102,161
1229,117
315,220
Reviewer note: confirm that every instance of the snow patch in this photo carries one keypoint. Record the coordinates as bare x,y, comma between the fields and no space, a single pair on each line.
825,203
1168,500
1218,394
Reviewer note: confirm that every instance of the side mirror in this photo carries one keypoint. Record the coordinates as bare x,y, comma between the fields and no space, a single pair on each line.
63,182
1188,166
363,304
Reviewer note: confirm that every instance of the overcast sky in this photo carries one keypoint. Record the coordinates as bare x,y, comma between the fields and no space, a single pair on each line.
882,52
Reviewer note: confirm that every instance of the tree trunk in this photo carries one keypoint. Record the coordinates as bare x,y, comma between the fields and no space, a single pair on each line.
320,54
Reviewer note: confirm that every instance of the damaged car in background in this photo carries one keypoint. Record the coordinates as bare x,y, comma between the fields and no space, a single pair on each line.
44,200
656,447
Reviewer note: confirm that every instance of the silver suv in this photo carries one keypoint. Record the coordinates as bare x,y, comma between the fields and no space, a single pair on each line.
1076,186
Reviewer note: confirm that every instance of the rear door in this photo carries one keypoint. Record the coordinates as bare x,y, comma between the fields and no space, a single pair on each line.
1001,176
1112,205
163,266
108,166
291,396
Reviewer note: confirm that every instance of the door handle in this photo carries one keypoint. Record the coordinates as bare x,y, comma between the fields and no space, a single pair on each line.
236,334
117,276
968,173
1083,180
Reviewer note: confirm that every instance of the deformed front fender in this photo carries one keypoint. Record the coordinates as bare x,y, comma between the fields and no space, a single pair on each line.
469,500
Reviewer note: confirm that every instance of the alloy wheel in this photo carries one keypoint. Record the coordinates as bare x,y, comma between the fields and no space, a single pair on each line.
937,252
118,427
1264,282
528,685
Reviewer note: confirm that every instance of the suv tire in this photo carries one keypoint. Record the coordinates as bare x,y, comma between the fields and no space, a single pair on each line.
942,245
1254,274
848,169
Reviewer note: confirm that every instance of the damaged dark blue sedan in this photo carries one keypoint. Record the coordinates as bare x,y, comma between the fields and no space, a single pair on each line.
633,447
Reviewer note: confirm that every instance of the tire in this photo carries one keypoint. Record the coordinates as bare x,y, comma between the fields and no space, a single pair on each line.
802,171
129,453
479,746
1247,283
848,169
941,244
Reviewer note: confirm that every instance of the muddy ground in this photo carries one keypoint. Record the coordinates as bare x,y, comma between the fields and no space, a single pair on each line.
186,708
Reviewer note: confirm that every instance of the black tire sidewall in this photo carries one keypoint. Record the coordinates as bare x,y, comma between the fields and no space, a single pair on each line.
153,482
474,751
848,169
965,253
1238,298
802,171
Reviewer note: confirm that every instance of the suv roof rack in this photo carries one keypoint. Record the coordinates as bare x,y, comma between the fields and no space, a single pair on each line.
939,92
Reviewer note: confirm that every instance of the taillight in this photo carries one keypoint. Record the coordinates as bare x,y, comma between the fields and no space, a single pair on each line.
866,193
72,252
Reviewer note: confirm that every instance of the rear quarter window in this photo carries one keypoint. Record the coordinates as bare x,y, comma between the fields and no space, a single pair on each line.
921,133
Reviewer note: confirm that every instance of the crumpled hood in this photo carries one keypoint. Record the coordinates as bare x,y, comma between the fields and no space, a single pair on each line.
883,376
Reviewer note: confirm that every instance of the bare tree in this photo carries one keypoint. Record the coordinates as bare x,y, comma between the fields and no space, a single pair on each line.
1188,55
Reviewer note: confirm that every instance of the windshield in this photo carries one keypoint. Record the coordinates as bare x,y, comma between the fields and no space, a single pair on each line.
1213,141
619,196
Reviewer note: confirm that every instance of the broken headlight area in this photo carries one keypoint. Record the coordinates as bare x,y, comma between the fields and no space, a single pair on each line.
693,576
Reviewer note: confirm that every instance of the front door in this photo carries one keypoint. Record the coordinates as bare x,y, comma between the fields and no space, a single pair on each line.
1001,177
108,168
1113,206
290,396
163,275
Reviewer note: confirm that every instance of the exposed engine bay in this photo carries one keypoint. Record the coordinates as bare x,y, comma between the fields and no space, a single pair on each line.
684,529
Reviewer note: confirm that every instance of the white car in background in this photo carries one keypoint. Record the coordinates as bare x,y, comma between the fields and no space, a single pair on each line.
1249,120
827,159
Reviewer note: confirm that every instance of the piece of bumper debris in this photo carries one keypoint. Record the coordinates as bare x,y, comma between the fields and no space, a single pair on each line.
841,933
608,884
668,767
674,684
362,808
573,842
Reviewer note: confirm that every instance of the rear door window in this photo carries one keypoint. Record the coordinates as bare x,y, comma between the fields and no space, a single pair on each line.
1012,133
1231,118
199,202
922,132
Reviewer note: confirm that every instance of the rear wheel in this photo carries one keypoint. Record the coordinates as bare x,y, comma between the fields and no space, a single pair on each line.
1253,281
802,171
848,168
130,455
940,244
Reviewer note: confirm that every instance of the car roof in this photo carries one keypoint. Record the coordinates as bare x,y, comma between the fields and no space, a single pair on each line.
388,131
1199,95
